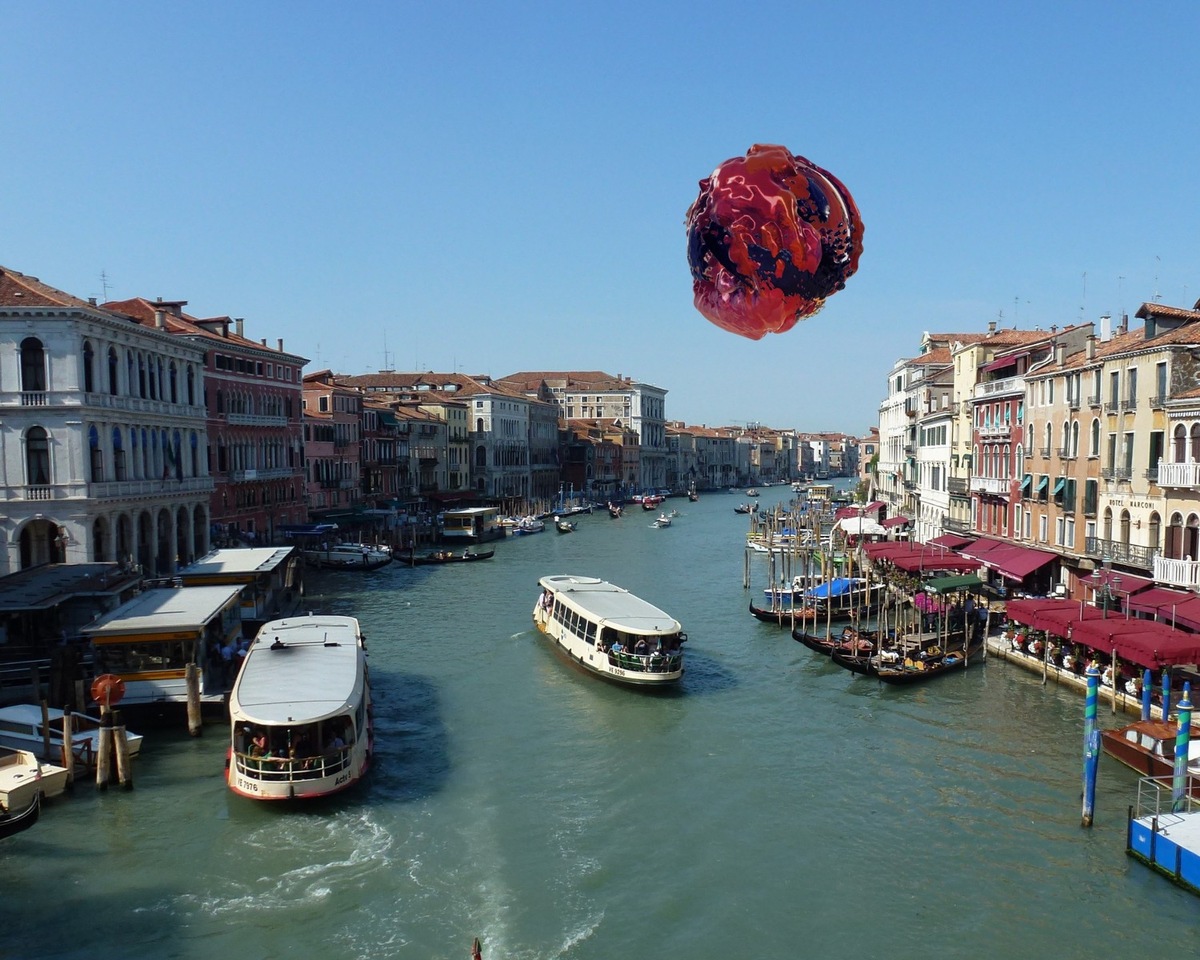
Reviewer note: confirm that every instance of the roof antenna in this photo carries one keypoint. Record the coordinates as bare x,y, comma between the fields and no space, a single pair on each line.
1157,264
104,284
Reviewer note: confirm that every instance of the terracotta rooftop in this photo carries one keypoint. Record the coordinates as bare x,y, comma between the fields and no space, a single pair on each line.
19,290
143,311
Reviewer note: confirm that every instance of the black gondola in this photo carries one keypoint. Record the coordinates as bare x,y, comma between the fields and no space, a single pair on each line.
781,617
445,556
866,665
919,669
12,823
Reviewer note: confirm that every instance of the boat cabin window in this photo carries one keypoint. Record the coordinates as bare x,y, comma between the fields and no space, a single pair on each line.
144,656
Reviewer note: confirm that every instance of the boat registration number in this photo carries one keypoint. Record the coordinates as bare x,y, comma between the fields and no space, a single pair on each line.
248,785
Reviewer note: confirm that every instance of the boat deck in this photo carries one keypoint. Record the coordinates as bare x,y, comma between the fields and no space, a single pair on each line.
1163,837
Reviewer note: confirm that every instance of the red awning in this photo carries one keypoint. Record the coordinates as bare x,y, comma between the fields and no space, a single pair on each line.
894,522
1144,642
932,562
1158,601
982,547
951,541
1123,583
1002,362
1055,616
1016,563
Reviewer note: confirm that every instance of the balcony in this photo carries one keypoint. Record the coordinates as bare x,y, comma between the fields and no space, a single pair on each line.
1073,403
1094,400
1044,453
999,431
123,489
995,486
1178,474
1112,406
1064,453
1124,473
954,525
1129,554
1177,573
957,485
995,388
255,420
1129,403
1106,473
275,473
1157,403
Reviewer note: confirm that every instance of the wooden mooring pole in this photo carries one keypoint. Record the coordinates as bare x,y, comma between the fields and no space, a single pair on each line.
121,749
104,750
192,680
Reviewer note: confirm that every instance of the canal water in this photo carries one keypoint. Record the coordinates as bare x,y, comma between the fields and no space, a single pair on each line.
774,806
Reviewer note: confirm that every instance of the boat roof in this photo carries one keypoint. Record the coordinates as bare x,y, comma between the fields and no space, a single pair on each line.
239,560
164,609
51,584
30,713
611,605
471,511
298,670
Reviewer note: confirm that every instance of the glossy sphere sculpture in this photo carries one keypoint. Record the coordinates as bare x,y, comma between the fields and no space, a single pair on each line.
770,237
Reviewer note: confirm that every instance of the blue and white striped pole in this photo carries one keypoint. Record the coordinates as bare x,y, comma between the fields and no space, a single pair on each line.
1147,693
1166,695
1182,738
1091,745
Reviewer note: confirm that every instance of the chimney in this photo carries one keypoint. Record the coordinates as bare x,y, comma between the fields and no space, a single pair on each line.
1124,327
1105,328
239,326
1060,353
160,319
280,342
92,301
263,341
1091,346
991,327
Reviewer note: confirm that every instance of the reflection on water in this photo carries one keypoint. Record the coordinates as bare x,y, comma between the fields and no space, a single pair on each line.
772,805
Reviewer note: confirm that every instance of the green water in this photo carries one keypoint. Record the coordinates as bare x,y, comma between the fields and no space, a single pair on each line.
773,806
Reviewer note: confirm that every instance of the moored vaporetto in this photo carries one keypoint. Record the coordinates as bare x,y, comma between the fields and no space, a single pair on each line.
300,710
608,631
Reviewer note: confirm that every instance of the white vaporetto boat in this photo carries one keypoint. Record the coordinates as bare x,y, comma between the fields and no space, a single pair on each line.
21,728
609,632
349,556
300,710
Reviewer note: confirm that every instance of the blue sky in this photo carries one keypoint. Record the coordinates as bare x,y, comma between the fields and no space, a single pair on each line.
490,187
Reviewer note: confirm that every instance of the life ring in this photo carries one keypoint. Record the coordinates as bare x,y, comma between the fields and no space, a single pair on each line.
108,689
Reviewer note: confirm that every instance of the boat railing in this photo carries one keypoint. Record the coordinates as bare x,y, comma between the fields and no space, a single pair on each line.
646,662
283,769
1156,797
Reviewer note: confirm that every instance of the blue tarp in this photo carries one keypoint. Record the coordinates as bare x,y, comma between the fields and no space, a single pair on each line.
306,529
837,587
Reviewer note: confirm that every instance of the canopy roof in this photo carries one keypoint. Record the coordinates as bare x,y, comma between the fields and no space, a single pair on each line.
947,584
951,541
1016,563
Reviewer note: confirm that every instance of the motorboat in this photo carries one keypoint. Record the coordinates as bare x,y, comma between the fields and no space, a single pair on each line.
446,556
527,525
563,526
1148,747
24,778
609,632
662,521
21,728
300,711
349,556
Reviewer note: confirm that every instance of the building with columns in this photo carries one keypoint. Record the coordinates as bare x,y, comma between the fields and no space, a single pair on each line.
102,435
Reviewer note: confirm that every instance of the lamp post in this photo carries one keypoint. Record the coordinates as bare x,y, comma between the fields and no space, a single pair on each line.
1106,586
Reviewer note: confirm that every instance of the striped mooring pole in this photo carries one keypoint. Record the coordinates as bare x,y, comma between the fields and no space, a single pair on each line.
1179,778
1091,745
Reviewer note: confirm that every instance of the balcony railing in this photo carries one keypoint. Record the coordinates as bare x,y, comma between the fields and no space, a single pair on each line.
255,420
996,387
999,430
1094,400
991,485
955,525
1106,473
1130,554
1157,403
149,488
1178,573
957,485
1073,403
1044,453
1129,403
1124,473
1112,406
1065,453
1178,474
274,473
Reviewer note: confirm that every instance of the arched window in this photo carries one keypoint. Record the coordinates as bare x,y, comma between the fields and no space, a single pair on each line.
118,455
194,443
1074,439
174,377
1049,439
134,460
1191,538
1066,436
1006,465
37,457
1173,549
1020,471
1154,532
1094,442
141,377
1195,452
1125,526
130,375
1108,531
33,365
191,386
1180,443
112,370
89,367
96,455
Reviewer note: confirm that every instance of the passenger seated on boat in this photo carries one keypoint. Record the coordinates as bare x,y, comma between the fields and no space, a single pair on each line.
641,646
890,656
617,647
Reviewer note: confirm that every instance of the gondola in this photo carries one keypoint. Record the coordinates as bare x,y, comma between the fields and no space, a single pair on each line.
866,665
934,664
822,645
446,556
564,526
12,823
781,617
